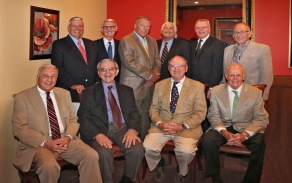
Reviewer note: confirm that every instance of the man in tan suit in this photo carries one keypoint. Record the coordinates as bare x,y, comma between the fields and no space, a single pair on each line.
177,121
31,127
254,57
238,118
140,67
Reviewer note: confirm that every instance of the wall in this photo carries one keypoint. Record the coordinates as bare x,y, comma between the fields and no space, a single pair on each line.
17,72
125,13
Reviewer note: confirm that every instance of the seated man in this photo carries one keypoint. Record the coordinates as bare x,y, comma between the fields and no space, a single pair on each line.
108,115
44,123
238,118
177,110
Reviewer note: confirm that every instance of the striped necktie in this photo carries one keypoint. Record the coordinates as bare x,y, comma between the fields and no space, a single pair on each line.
55,129
164,53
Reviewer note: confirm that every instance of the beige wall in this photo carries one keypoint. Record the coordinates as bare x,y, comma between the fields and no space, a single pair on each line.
17,72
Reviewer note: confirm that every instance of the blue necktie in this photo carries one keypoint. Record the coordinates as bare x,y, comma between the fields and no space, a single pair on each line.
110,50
174,97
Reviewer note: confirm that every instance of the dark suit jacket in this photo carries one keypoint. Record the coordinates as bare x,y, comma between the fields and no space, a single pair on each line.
179,47
102,53
72,67
207,65
92,113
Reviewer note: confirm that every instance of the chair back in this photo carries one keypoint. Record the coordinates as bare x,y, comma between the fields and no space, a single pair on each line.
262,87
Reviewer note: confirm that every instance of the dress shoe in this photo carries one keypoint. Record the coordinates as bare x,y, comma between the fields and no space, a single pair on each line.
159,172
179,178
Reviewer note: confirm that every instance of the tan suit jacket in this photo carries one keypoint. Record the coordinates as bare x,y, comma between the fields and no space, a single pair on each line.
137,67
191,107
257,63
31,126
250,113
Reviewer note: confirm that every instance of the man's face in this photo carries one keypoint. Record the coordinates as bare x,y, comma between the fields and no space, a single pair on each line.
241,34
76,28
168,32
142,27
235,76
47,78
202,29
177,68
109,29
108,71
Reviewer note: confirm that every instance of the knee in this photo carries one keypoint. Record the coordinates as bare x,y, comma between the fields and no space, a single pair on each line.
138,149
48,165
185,151
92,155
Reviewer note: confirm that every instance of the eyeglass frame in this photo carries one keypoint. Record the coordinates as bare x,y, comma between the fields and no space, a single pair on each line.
109,27
240,33
110,69
179,66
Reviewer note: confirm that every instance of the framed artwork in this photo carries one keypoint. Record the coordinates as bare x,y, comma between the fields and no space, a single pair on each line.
223,28
290,37
44,29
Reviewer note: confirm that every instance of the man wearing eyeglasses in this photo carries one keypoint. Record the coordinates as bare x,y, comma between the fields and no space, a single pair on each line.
107,47
108,115
254,57
177,110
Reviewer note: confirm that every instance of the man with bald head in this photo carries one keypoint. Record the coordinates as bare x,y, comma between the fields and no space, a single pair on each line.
238,118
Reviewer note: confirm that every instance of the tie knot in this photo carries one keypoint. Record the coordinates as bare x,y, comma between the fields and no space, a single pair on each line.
175,83
235,92
48,94
200,41
166,43
109,43
110,87
79,41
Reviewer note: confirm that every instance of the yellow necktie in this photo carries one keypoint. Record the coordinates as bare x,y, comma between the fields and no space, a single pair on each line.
144,45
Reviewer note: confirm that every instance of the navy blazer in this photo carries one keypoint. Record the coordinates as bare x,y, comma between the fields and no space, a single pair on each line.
102,54
92,113
71,65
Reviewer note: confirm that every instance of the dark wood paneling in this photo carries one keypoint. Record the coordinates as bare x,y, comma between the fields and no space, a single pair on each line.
278,156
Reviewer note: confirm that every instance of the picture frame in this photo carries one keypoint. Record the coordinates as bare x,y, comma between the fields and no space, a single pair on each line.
290,37
44,30
223,28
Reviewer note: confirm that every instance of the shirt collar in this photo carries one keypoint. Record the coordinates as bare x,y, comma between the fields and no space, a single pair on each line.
42,92
180,81
105,85
238,89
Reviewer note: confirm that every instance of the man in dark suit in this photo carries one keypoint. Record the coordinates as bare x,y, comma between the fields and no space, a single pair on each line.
76,59
206,59
109,29
174,46
102,125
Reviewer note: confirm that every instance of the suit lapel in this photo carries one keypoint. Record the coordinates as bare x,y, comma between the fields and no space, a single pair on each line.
140,44
60,107
242,99
71,44
99,98
166,94
225,98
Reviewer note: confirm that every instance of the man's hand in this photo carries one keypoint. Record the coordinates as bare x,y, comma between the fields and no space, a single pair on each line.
59,145
130,138
104,141
209,94
170,128
78,88
148,83
155,76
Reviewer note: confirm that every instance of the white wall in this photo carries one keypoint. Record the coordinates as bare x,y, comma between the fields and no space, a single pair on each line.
17,72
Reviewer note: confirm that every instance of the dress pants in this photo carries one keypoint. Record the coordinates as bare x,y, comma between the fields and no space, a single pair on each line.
78,153
133,155
212,141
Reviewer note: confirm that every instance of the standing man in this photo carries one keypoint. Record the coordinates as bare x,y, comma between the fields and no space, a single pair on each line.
44,123
206,59
108,115
140,67
177,110
107,47
254,57
170,46
238,118
76,59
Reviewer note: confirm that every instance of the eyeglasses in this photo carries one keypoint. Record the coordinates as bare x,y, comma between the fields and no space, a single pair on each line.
179,66
199,28
240,33
110,69
109,27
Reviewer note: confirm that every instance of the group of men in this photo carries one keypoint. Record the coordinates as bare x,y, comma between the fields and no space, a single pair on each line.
139,93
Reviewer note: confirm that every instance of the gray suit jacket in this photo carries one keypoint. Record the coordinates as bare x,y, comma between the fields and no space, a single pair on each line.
250,112
30,122
137,67
257,63
191,107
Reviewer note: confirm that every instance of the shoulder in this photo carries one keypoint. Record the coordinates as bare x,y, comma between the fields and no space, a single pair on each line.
218,88
61,91
193,83
259,45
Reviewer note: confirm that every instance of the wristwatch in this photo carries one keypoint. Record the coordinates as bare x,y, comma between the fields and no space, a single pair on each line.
184,126
245,135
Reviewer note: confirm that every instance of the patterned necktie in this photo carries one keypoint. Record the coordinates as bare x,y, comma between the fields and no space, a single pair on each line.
55,129
82,50
164,53
116,113
144,45
235,102
174,97
198,46
110,50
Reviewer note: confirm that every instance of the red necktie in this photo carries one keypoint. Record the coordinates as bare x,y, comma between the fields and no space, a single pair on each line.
116,113
55,129
82,50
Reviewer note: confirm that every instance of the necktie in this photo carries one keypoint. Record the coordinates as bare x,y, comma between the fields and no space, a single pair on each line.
144,45
110,50
235,102
164,53
116,113
82,50
55,129
198,46
174,97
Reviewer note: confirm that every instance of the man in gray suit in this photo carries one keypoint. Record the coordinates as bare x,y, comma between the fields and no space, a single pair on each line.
140,66
32,128
254,57
238,118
